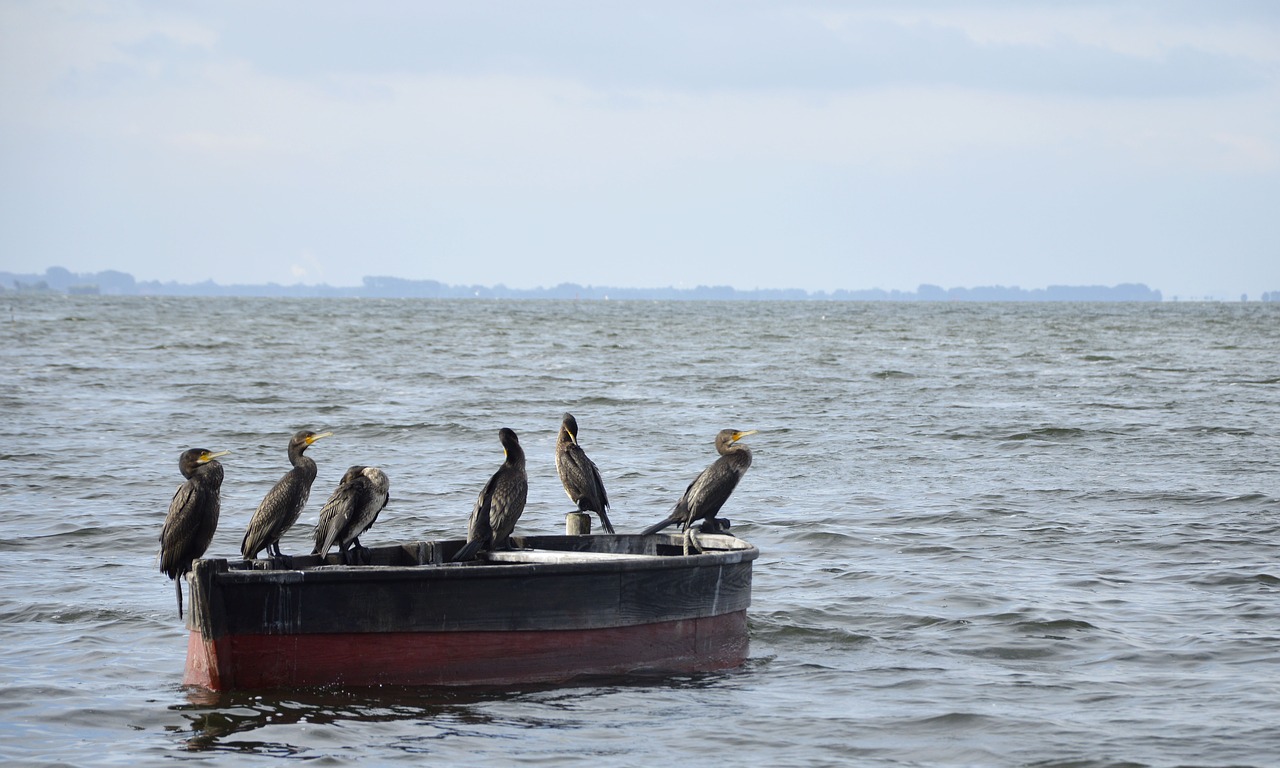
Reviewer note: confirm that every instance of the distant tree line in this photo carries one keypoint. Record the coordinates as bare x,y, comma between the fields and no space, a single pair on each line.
115,283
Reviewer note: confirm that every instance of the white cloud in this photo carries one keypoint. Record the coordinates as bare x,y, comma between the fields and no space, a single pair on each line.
675,136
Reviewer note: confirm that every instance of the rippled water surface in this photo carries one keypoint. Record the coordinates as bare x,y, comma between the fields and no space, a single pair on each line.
1014,534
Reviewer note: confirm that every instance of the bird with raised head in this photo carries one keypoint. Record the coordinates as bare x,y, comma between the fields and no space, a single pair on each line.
709,491
193,514
283,504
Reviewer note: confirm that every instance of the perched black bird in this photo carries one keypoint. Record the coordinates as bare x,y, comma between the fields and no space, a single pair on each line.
351,510
283,504
711,488
500,504
579,474
193,515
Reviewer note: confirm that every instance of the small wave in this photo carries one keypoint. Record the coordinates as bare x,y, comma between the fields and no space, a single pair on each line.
1215,430
1125,406
827,636
1048,434
1238,579
1012,652
893,374
1159,369
1274,380
1176,497
1053,625
965,720
52,613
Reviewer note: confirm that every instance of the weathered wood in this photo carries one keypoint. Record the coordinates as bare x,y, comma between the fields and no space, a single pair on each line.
546,585
551,557
577,524
572,595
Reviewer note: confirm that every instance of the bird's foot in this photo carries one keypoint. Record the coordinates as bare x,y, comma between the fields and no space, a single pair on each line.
715,525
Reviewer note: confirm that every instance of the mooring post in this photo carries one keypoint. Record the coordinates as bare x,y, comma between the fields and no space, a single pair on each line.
577,524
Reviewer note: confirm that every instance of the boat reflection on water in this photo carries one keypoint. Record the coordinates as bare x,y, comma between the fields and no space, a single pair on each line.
308,721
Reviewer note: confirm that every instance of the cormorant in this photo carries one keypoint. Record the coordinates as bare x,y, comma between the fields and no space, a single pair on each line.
500,503
711,488
283,504
351,510
579,474
193,515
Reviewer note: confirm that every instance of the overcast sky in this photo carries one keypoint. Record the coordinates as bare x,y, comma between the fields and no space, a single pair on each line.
648,144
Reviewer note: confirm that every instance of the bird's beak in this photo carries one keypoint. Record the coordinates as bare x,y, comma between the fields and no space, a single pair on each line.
211,456
739,435
314,438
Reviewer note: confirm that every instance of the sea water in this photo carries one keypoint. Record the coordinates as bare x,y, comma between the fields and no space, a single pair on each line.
990,534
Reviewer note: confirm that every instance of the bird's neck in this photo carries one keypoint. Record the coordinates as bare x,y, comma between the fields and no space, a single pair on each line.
303,463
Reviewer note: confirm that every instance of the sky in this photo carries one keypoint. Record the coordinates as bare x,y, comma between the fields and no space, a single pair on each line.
812,145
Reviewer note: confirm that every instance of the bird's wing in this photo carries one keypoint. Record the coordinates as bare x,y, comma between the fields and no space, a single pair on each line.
508,504
336,515
178,527
181,501
479,527
710,490
269,523
599,481
580,471
369,502
601,494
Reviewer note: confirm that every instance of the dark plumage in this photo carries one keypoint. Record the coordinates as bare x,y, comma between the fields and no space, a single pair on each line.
579,474
711,488
351,510
283,504
500,503
193,515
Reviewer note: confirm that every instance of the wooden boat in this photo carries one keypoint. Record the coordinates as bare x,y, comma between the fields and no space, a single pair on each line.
550,609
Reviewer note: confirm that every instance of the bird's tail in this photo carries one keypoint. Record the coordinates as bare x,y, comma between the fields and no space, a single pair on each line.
246,543
469,551
604,522
177,585
323,547
657,526
678,513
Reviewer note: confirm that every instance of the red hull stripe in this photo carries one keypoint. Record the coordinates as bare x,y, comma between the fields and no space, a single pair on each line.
464,658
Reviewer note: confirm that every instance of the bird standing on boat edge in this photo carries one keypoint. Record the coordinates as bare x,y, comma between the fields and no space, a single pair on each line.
351,510
283,504
711,488
579,474
193,515
500,503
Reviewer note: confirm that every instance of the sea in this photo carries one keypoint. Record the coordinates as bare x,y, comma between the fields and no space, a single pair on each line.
1008,534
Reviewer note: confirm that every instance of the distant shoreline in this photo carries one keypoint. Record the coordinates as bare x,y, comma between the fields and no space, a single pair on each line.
57,280
115,283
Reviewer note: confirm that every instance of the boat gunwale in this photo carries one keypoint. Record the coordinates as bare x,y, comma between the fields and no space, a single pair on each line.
738,551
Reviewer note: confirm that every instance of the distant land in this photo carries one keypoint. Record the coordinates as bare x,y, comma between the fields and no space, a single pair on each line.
113,283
